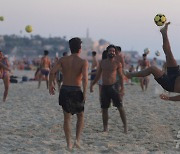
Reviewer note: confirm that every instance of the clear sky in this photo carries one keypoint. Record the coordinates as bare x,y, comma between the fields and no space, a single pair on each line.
127,23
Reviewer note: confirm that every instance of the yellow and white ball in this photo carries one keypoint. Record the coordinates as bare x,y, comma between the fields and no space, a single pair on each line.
28,28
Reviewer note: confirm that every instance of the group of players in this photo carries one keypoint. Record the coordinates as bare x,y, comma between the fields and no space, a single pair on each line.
109,73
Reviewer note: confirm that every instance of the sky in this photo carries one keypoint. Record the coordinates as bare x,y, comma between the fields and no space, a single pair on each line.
127,23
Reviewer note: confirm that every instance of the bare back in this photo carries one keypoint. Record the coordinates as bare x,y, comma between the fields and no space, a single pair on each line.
72,67
45,63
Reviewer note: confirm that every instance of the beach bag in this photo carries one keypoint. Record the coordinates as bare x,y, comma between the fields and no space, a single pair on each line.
24,78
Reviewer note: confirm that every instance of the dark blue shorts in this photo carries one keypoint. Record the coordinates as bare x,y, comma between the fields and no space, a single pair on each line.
93,75
167,81
45,72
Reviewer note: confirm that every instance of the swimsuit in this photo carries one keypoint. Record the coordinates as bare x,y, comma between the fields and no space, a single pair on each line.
109,92
71,99
44,72
167,81
93,75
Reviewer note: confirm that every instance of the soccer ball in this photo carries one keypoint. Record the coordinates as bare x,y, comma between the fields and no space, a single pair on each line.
157,53
146,51
28,28
160,19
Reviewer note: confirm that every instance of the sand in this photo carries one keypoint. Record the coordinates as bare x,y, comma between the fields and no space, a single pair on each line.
31,121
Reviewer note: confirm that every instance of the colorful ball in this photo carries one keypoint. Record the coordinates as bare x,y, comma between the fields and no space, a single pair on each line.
160,19
29,28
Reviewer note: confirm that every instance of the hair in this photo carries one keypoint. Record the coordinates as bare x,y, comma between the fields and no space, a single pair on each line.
104,54
75,44
118,48
64,54
46,52
93,53
144,55
111,46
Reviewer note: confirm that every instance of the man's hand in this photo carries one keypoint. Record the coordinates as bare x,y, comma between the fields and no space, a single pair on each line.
51,90
121,92
164,97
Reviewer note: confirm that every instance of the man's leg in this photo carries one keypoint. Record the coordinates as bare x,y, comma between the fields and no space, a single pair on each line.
6,87
142,83
171,62
123,118
155,71
67,129
105,119
47,81
79,128
40,78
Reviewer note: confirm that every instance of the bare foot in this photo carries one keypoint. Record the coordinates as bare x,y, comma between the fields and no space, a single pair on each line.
77,144
69,147
165,28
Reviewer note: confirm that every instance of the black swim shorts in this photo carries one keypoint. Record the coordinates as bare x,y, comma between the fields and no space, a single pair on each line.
71,99
108,93
167,81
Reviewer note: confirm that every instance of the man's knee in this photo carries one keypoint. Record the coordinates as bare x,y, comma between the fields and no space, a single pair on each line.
80,115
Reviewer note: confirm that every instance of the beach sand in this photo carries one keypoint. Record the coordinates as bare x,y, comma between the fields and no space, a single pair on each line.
31,121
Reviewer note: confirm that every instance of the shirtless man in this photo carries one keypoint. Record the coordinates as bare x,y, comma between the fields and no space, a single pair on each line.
71,98
4,74
170,81
93,66
144,63
44,68
109,68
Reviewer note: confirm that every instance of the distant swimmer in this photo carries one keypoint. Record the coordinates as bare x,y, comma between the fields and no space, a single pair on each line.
143,64
44,68
108,68
4,74
170,81
71,97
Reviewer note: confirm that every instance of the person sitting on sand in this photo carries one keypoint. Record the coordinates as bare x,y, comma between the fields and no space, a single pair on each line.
170,81
108,68
4,74
71,98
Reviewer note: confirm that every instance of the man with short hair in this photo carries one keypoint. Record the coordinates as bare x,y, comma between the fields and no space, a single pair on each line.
71,98
44,68
109,68
143,64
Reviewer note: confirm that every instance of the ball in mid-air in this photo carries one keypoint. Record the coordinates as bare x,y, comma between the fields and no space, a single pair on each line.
29,28
146,51
157,53
1,18
160,19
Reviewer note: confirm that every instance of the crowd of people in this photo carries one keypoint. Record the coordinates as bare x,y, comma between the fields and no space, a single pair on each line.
71,74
